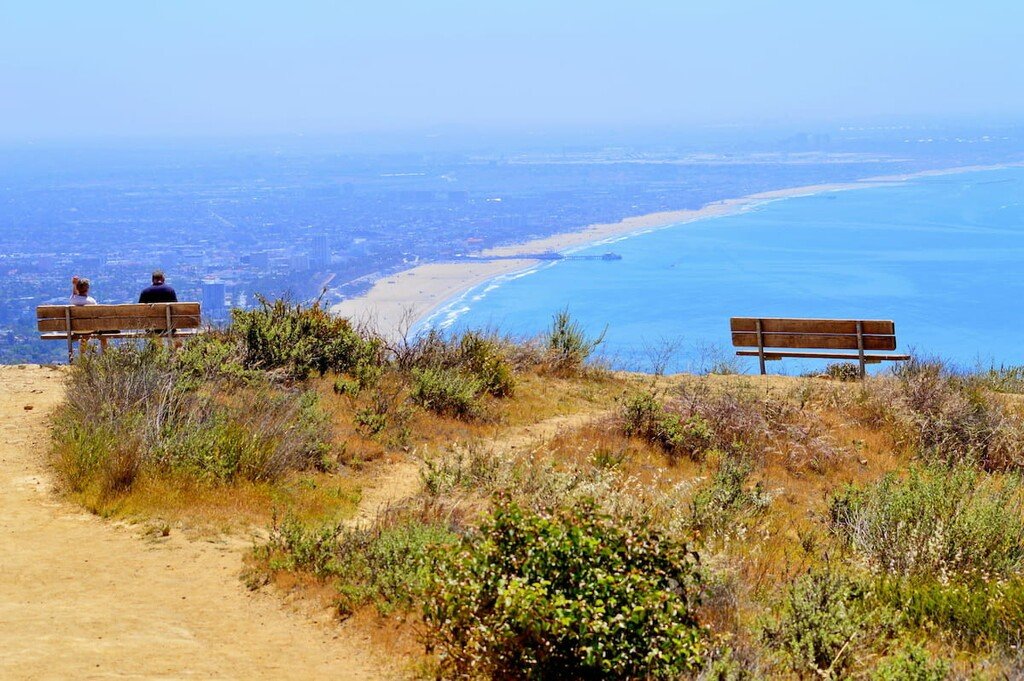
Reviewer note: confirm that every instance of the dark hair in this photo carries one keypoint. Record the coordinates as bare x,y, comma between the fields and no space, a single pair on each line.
82,287
158,276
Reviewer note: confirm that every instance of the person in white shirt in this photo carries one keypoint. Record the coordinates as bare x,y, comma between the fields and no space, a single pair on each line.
80,292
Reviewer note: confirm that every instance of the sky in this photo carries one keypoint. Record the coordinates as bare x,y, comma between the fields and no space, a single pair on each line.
222,67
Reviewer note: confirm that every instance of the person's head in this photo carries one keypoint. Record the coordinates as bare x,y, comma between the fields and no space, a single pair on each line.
82,287
158,277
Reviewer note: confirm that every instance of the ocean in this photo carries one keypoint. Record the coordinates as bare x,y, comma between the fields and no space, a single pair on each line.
943,256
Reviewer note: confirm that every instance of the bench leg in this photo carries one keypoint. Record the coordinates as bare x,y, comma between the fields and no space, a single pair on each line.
103,344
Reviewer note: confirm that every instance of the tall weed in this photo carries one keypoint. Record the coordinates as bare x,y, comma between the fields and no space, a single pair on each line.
943,524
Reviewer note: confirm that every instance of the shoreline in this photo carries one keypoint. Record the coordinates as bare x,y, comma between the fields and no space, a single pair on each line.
397,303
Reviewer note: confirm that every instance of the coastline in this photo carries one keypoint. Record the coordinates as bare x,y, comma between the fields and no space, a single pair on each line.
395,303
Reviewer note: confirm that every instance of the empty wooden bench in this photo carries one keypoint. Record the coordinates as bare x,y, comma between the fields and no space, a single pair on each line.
72,323
775,338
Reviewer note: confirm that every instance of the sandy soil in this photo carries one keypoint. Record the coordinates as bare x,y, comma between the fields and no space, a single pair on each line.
81,598
397,301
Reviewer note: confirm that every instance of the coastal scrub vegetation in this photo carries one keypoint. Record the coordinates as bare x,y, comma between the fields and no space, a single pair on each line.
492,507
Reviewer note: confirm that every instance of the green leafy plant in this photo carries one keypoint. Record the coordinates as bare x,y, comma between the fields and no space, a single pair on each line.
387,564
913,663
936,522
823,619
568,345
448,392
570,593
301,340
716,505
644,416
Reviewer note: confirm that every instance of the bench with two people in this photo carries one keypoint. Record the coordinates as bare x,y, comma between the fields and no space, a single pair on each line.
157,314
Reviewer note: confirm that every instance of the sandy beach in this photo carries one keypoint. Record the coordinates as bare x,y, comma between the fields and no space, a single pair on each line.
396,302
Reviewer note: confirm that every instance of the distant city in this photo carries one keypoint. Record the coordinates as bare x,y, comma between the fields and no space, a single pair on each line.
231,223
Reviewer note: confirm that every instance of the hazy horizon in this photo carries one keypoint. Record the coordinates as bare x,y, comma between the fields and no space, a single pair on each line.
191,69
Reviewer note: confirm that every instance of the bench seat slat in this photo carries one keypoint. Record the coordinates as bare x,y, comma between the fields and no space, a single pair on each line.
126,310
796,325
776,354
825,341
120,323
60,335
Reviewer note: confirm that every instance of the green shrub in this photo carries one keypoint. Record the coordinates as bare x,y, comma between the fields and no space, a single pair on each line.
566,594
208,356
716,505
447,392
727,665
484,358
978,614
645,417
293,545
947,417
135,409
824,619
843,371
1003,379
301,340
936,522
568,346
387,564
913,663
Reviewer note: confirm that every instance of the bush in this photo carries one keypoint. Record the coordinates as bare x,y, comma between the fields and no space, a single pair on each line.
947,417
1003,379
979,614
937,523
645,417
135,408
485,359
824,619
716,506
447,392
300,340
569,348
222,440
387,564
913,663
700,420
843,371
565,594
483,356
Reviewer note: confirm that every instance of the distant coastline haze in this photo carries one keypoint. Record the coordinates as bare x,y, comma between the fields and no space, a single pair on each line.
81,70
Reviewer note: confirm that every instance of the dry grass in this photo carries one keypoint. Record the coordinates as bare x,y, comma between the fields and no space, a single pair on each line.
203,509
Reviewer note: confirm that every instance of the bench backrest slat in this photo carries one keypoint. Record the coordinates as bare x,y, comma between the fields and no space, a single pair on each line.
136,316
831,334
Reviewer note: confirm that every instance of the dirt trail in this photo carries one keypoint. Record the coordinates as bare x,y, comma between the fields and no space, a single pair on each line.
83,598
402,479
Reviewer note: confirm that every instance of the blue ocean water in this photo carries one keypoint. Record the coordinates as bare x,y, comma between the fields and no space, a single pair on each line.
943,256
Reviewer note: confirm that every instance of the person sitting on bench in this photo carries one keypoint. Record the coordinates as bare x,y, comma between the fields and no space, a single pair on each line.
80,292
159,292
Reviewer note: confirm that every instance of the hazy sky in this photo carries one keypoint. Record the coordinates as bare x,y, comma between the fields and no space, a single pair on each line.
224,66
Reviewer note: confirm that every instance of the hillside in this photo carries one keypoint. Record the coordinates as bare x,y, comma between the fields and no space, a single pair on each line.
298,496
86,598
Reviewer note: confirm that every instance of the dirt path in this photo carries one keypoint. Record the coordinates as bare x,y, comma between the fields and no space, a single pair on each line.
81,598
402,479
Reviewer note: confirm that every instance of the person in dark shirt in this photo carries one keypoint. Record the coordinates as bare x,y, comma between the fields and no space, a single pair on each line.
159,292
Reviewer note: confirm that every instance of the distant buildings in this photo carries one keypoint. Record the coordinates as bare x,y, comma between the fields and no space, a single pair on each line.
214,295
320,256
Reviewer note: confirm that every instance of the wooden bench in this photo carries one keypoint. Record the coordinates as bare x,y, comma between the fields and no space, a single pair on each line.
774,338
80,323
